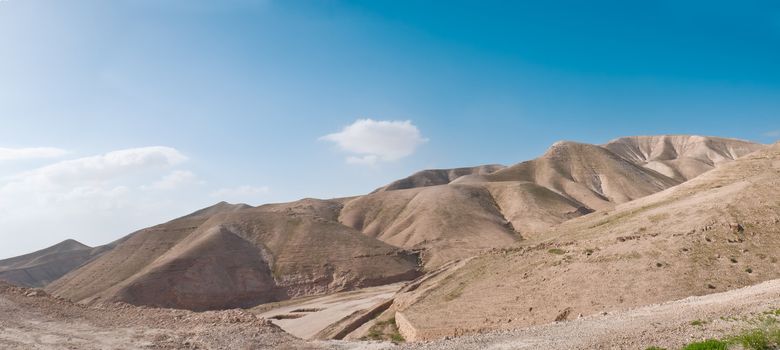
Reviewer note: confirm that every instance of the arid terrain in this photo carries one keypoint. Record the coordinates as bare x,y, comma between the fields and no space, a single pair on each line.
33,319
643,241
40,268
43,322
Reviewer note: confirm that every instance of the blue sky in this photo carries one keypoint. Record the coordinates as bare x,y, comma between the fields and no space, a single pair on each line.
236,99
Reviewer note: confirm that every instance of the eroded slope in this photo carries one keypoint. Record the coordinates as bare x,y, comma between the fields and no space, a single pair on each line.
239,258
40,268
456,213
716,232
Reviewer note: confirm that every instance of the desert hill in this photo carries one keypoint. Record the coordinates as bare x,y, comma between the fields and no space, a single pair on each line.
680,157
446,222
237,256
231,256
716,232
39,268
456,213
433,177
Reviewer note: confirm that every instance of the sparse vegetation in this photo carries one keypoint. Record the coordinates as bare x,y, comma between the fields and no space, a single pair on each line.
655,348
396,337
384,330
698,322
765,337
775,312
754,340
749,270
709,344
556,251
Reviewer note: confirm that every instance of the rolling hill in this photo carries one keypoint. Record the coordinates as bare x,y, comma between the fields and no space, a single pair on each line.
468,210
39,268
716,232
236,256
229,255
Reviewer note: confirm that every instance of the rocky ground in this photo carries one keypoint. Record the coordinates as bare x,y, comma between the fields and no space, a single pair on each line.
668,325
31,319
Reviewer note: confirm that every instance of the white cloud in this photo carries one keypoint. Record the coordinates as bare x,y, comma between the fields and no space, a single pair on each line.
30,153
175,179
95,199
241,193
371,141
96,169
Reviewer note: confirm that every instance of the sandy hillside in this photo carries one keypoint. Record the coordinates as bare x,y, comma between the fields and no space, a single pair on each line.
678,156
239,257
40,268
670,325
716,232
451,214
229,256
445,222
434,177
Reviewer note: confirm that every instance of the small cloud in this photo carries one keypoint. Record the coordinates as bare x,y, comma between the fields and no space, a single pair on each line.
31,153
773,133
371,141
98,168
240,193
174,180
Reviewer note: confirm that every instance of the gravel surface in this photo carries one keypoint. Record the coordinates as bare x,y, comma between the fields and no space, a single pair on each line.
666,325
31,319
